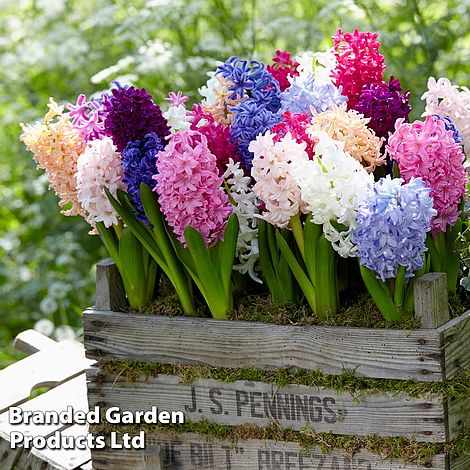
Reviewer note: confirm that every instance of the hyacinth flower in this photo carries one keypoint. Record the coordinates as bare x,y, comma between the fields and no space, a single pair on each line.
283,68
428,150
332,186
390,238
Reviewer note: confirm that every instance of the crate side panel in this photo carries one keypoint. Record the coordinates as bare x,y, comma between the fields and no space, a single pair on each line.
379,353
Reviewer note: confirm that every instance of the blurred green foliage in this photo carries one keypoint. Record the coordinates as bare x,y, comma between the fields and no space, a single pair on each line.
61,48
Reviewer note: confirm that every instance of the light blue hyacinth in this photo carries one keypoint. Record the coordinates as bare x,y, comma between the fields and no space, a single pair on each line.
392,225
307,91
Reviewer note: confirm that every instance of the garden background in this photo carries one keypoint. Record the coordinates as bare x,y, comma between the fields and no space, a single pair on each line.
64,47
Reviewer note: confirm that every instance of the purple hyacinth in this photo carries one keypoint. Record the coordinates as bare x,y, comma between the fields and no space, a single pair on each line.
391,226
310,92
253,80
251,119
131,115
450,126
384,103
139,159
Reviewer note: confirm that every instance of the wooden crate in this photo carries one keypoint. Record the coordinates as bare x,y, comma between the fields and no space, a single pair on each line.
438,351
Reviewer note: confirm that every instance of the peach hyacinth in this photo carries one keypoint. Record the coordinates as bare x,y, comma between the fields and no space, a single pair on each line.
56,146
350,127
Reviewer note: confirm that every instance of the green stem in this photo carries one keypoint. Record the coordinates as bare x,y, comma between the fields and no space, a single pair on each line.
298,231
400,284
326,286
380,295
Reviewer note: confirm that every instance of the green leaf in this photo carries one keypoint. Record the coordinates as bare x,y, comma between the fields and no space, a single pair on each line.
326,285
228,248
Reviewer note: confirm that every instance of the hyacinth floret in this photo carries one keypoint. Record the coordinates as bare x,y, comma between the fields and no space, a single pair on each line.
56,145
253,81
189,187
283,68
306,92
139,159
131,115
275,186
359,62
251,119
218,136
445,99
88,117
383,103
392,224
352,128
428,150
245,206
99,167
450,126
332,185
297,125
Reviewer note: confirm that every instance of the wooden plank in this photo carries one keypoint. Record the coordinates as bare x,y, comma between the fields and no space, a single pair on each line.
455,344
459,417
391,353
193,452
61,459
431,299
31,341
292,406
110,293
71,393
153,458
46,368
460,463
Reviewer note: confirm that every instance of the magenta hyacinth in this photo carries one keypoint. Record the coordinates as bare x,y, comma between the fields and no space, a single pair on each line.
189,187
428,150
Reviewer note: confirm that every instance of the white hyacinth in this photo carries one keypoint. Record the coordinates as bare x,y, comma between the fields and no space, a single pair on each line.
449,100
245,207
178,118
333,185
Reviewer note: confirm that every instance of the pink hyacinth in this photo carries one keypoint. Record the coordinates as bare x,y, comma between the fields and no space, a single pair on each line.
189,188
427,150
359,62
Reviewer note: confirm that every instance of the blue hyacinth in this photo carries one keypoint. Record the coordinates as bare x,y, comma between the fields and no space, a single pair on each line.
251,119
253,80
139,159
310,92
450,126
391,227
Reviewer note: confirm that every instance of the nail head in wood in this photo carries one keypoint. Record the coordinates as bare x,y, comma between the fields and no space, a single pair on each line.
110,293
431,299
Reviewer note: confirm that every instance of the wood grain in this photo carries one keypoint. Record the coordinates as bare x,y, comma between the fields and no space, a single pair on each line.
110,293
431,299
455,345
31,341
192,452
292,406
397,354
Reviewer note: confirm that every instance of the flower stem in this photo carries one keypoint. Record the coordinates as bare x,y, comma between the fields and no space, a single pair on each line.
298,231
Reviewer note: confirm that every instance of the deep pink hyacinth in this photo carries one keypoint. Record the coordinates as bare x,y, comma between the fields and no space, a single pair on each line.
283,67
296,124
428,150
218,137
189,187
359,62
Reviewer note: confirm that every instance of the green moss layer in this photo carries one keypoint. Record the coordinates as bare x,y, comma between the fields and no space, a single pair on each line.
407,450
357,309
347,381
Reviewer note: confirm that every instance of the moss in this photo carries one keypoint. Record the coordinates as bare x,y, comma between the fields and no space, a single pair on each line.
407,450
346,382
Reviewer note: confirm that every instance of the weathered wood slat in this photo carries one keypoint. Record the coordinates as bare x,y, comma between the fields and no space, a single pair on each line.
431,299
456,345
110,293
381,353
192,452
458,416
294,406
61,459
460,463
49,367
31,341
